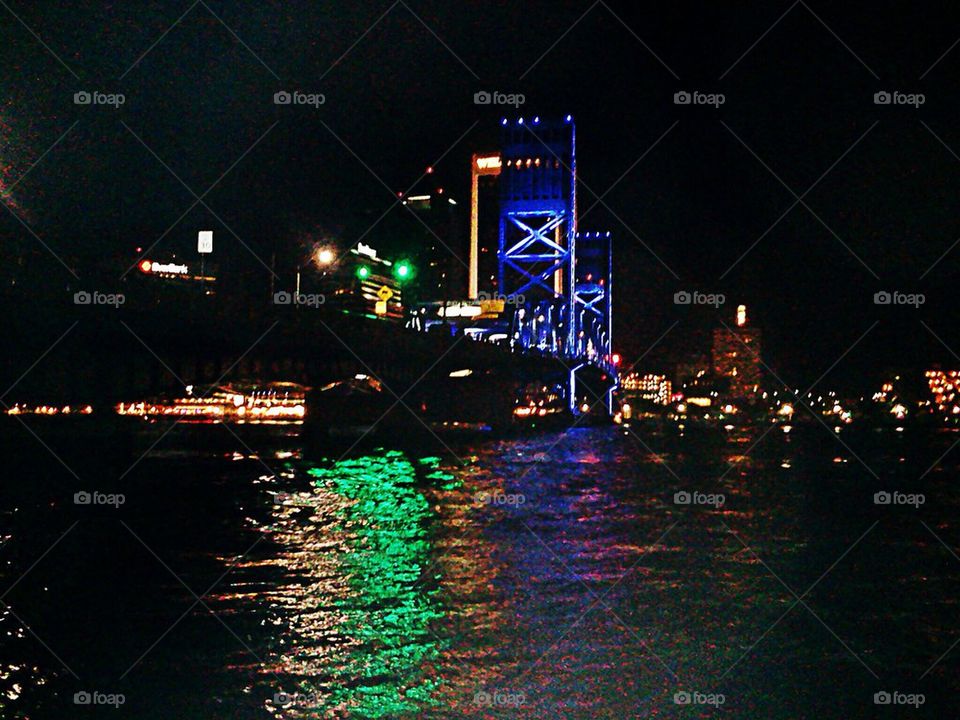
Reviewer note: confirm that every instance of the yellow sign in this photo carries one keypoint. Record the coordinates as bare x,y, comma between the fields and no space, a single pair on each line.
384,293
489,165
380,308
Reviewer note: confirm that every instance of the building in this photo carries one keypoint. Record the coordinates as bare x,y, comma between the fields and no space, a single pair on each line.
737,359
649,388
438,250
364,283
484,223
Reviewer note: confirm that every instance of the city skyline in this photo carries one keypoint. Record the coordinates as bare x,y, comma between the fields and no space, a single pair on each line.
692,187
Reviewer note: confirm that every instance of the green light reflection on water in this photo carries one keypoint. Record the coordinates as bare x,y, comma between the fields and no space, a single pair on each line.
389,609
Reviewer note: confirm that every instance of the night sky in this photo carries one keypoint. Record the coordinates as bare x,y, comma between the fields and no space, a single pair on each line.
687,191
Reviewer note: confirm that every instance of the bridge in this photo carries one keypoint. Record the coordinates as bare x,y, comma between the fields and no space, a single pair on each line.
557,281
555,328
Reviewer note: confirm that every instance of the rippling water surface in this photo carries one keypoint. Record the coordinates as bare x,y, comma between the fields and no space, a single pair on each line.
550,576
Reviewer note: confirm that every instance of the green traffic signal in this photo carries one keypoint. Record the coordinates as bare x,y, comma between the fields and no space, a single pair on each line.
363,272
403,270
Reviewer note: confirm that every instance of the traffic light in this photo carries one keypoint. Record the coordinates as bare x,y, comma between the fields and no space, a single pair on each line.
403,270
363,272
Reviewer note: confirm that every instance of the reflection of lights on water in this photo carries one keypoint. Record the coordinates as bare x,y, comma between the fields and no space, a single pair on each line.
15,677
355,606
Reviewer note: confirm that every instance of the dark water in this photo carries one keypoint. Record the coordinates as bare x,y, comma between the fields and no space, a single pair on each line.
551,576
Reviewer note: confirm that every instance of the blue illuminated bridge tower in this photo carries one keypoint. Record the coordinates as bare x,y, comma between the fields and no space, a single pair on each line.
559,279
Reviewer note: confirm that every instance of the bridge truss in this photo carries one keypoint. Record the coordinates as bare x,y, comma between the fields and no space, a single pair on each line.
559,280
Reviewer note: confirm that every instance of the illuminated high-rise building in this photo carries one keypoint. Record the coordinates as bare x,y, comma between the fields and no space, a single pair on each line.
736,358
484,223
438,252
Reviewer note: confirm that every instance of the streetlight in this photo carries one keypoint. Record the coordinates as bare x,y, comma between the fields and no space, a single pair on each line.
325,256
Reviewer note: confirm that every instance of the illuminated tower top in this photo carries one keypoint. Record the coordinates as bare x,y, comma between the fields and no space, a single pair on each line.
741,315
